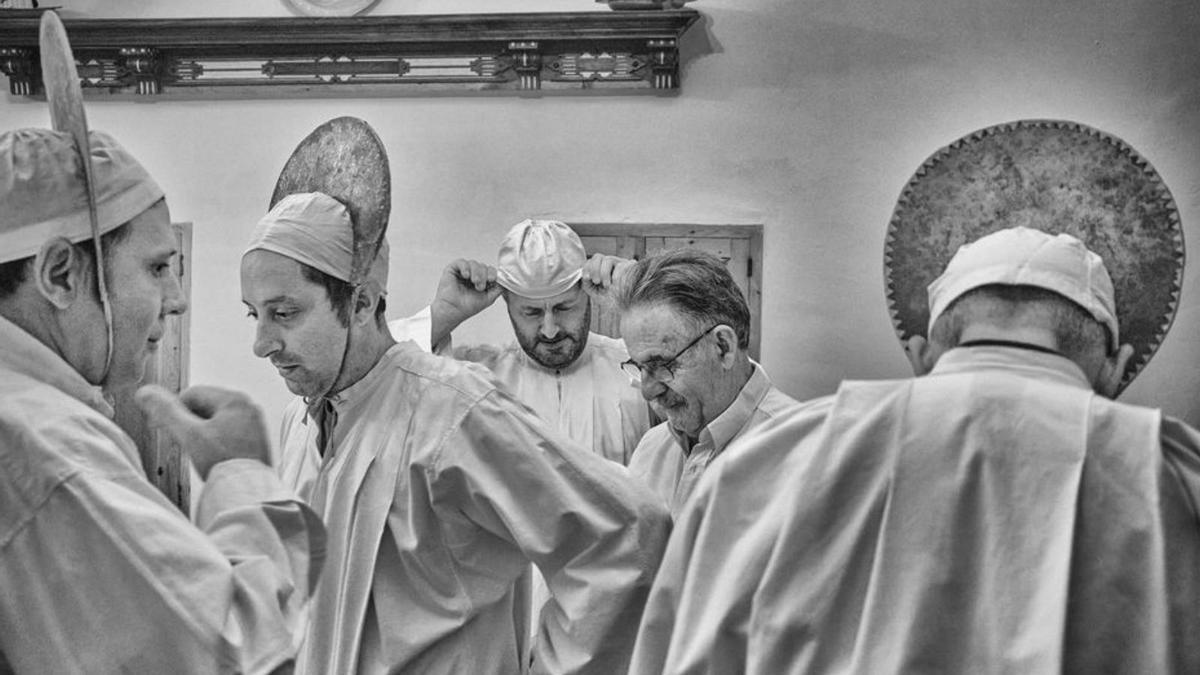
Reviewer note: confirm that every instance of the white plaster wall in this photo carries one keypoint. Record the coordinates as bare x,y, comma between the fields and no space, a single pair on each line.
806,116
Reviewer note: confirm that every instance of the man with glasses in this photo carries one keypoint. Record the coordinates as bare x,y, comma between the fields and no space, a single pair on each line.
687,329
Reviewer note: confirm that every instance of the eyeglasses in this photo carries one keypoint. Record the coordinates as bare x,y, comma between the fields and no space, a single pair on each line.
662,371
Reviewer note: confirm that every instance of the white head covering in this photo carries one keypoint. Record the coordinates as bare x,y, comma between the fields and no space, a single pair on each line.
315,229
42,194
1023,256
540,259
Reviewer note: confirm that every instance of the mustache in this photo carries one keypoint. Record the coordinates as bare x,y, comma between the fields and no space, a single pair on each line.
555,340
283,360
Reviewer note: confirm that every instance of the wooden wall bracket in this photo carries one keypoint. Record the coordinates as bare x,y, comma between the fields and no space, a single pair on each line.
356,56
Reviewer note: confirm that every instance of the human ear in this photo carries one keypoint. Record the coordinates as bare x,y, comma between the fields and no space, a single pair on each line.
364,301
59,272
1112,371
920,355
726,339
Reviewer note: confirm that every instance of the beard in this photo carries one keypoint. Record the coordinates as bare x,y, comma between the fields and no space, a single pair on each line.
559,352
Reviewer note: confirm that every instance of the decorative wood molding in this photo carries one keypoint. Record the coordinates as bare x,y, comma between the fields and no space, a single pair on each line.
356,56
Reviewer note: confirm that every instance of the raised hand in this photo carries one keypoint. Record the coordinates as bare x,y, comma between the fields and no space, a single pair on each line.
210,424
601,273
467,287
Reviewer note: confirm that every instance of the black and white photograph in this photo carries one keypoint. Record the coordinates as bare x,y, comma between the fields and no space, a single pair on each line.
599,337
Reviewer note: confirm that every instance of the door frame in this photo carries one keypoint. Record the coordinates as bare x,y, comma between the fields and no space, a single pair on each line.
162,458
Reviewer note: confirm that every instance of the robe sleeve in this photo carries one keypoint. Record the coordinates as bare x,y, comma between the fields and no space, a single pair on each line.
417,328
596,534
106,576
662,605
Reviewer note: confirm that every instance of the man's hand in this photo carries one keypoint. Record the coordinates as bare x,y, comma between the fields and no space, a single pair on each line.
601,273
467,287
209,423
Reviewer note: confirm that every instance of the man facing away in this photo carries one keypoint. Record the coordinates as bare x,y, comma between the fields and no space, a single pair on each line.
99,573
997,513
557,366
687,328
438,487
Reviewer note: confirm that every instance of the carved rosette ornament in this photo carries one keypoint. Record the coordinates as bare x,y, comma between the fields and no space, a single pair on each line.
145,65
1055,176
664,63
527,63
20,67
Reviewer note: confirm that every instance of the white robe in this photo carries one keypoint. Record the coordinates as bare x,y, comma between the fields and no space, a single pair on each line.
100,573
439,491
591,400
993,516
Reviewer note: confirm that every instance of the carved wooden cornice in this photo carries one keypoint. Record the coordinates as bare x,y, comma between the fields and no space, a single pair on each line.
355,56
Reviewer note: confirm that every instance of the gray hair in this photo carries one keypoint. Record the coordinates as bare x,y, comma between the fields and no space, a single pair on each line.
695,283
1075,330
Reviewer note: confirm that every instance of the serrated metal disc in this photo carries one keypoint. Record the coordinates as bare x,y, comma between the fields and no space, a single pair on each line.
1056,176
345,159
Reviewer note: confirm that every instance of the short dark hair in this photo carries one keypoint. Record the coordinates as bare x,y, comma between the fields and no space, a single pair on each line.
16,272
1075,330
696,283
340,294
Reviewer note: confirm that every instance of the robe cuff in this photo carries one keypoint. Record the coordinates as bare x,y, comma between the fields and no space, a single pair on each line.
235,483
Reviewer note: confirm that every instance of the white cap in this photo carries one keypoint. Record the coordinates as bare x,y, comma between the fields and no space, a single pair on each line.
540,259
1023,256
315,229
42,193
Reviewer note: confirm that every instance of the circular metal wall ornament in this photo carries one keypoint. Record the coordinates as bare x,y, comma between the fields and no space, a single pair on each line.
1056,176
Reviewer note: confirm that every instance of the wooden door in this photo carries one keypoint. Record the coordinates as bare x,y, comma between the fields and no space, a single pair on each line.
162,458
740,246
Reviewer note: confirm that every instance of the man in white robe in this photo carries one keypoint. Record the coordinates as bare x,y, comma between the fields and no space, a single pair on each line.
687,327
438,487
557,366
998,513
99,572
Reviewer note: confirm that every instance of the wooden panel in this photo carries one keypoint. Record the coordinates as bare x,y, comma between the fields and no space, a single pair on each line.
718,246
734,252
600,244
740,246
666,230
739,264
162,459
